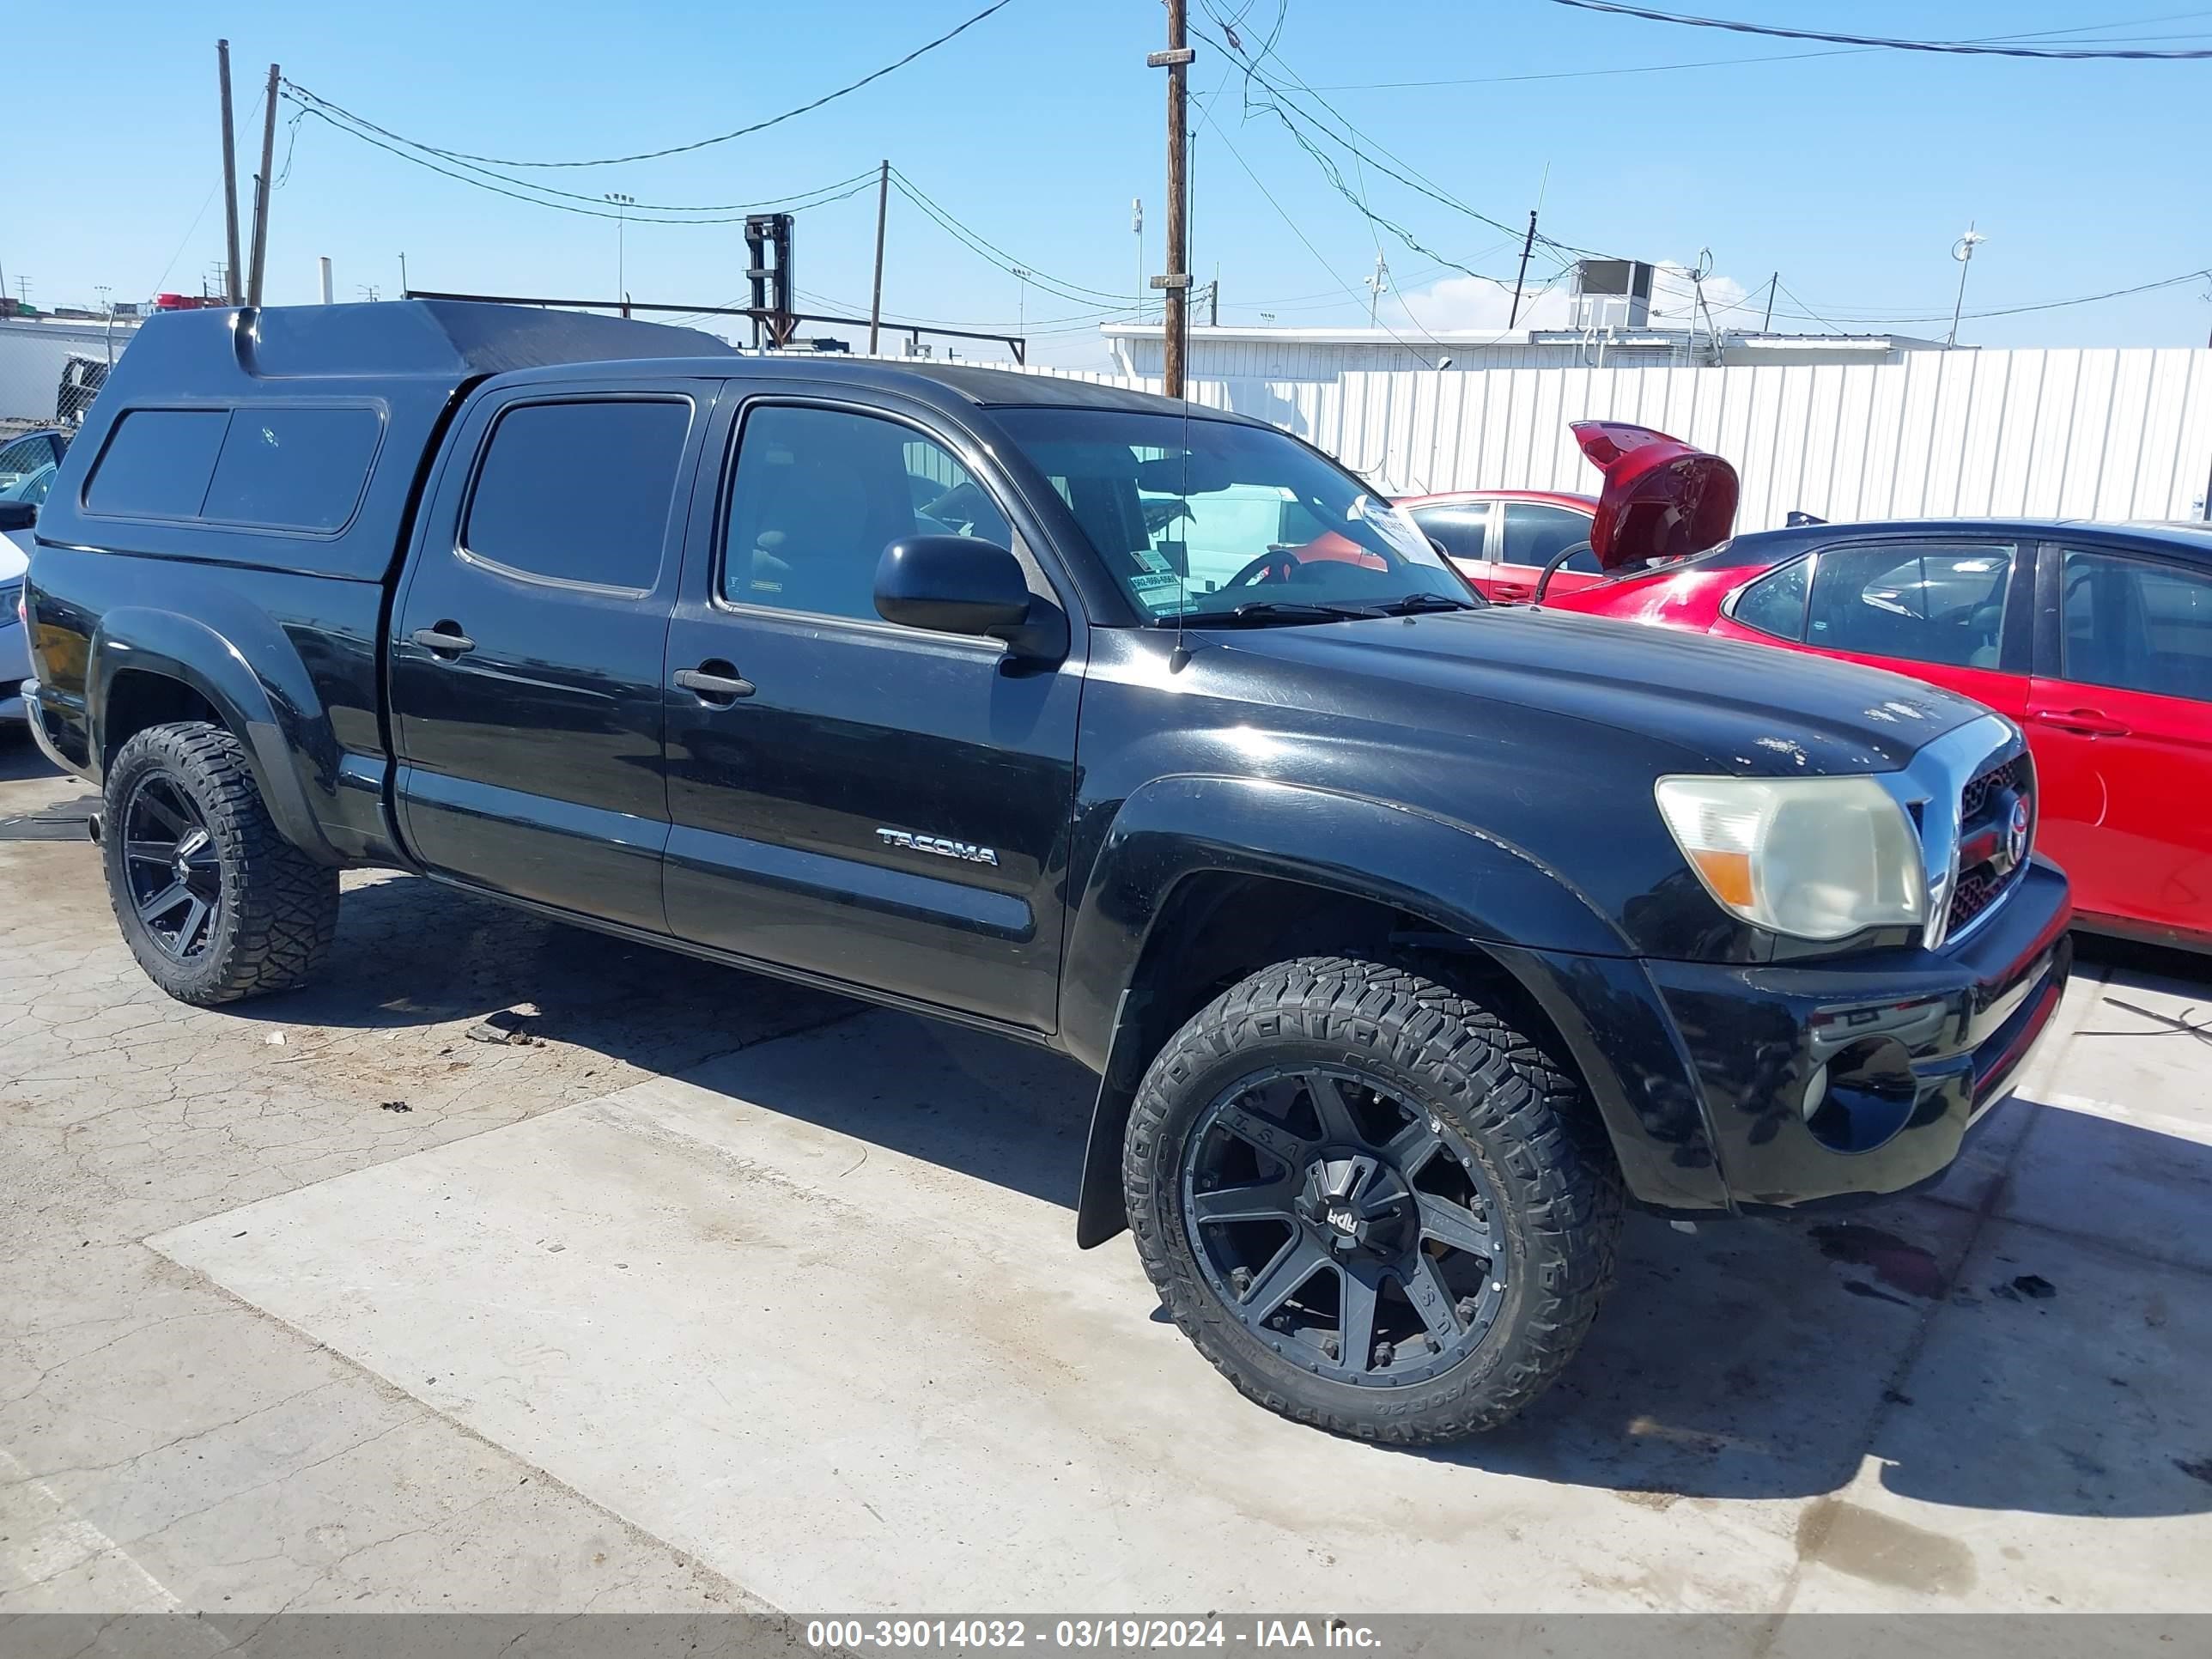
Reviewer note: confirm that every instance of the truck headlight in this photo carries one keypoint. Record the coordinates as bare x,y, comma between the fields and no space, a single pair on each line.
1815,858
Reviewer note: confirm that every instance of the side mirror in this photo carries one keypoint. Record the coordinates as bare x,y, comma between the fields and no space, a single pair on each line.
1661,500
963,585
18,515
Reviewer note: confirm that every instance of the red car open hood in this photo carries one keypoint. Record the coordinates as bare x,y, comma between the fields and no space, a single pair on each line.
1663,499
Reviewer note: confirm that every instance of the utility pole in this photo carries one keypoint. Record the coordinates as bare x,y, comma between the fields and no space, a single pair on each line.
1528,245
322,278
883,213
402,273
261,191
1137,225
1963,251
1772,283
1376,284
229,180
622,204
1174,283
1213,298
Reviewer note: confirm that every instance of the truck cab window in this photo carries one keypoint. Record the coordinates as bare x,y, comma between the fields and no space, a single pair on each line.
819,492
579,492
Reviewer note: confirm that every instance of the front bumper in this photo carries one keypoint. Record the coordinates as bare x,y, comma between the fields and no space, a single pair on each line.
1845,1081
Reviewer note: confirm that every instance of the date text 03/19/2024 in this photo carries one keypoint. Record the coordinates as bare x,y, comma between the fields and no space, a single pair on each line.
954,1634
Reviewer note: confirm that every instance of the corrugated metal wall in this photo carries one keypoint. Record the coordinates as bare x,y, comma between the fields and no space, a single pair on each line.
2076,432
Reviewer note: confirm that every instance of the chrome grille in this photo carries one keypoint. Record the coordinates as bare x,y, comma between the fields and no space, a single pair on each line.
1990,861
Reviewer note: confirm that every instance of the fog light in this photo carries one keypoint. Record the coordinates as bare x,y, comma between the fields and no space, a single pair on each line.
1816,1091
1868,1094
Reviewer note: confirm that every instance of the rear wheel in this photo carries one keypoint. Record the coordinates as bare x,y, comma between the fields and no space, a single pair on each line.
1371,1203
216,904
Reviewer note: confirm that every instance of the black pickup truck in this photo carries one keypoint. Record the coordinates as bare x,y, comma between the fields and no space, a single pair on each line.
1411,939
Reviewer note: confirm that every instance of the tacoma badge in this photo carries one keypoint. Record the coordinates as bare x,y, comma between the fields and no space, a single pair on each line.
939,845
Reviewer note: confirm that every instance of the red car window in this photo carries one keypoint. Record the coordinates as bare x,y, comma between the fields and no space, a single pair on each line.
2137,627
1535,534
1939,603
1775,604
1461,529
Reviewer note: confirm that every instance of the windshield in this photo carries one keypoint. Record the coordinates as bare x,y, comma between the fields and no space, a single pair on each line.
1233,516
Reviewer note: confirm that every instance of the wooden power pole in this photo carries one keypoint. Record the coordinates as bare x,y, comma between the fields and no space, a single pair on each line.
1527,243
882,210
230,292
261,191
1175,284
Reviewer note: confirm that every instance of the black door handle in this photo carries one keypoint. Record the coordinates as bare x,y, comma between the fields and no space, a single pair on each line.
446,639
713,683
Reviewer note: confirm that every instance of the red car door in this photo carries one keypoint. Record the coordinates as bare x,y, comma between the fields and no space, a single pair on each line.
2120,717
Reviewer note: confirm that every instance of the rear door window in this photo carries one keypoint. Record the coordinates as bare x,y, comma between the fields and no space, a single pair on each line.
1941,603
580,491
1461,530
1775,604
1536,533
2138,626
158,463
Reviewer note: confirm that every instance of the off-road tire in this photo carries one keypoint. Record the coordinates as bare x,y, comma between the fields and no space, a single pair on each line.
279,907
1530,1127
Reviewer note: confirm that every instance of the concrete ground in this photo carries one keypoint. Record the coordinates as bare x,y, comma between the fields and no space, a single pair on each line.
722,1294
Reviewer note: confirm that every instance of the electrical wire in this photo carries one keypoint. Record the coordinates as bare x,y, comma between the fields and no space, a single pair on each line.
1962,48
639,213
1230,145
723,138
1869,321
1059,288
356,126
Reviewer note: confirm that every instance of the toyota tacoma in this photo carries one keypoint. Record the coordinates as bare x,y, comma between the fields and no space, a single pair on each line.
1411,939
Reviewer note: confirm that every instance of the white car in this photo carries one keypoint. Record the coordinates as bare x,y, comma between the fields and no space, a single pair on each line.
14,645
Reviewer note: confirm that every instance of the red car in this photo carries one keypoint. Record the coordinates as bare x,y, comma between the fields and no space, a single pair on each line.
1501,539
2097,638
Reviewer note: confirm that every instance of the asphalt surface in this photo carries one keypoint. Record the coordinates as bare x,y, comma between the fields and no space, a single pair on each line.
695,1291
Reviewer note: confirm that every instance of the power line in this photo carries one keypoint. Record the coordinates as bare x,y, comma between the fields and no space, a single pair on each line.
1964,47
516,189
358,126
992,253
2010,311
1721,63
1206,116
740,132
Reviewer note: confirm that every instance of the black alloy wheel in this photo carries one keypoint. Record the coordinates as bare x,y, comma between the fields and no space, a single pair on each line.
173,867
1373,1201
1348,1230
213,901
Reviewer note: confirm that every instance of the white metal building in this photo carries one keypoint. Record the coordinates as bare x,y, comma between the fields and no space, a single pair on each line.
1327,353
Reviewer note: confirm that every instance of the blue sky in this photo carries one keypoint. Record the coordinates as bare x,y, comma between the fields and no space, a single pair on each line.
1851,173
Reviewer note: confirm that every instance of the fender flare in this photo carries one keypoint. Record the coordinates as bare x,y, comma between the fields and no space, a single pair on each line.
282,726
1469,884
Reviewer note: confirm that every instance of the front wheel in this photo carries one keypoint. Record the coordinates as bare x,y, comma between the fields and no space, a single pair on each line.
213,901
1374,1204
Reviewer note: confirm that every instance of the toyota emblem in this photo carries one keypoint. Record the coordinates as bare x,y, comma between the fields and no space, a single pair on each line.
2016,834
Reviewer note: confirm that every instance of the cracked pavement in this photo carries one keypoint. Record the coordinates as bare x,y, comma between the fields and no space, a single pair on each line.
695,1302
162,1444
